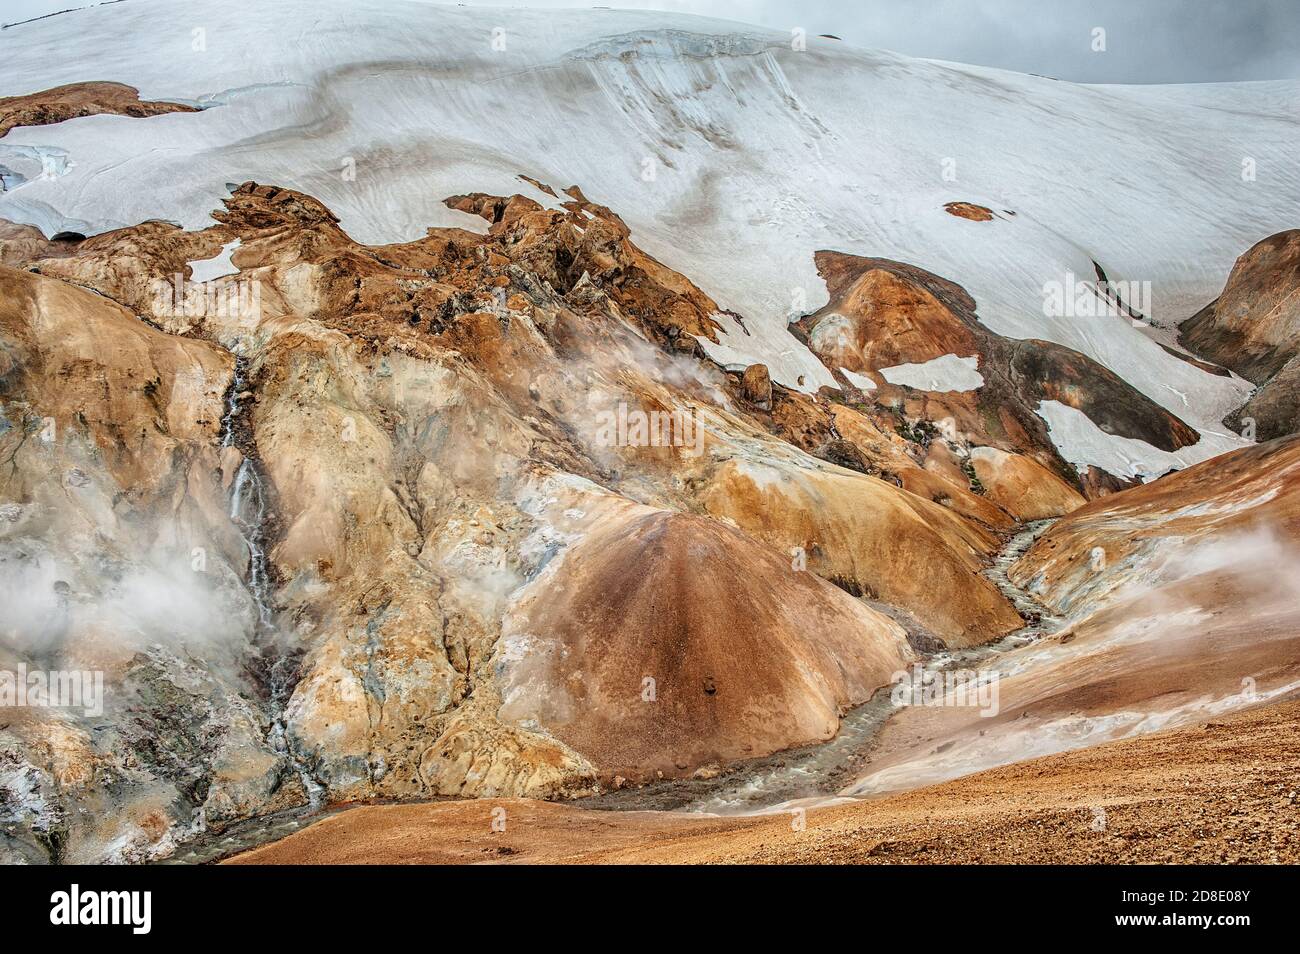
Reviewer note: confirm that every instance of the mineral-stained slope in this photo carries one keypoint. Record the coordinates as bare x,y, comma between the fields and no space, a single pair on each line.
1022,485
666,641
1179,598
117,555
1274,409
872,540
1253,327
882,314
457,575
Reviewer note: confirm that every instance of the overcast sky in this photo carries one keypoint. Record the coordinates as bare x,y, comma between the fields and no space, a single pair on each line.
1147,41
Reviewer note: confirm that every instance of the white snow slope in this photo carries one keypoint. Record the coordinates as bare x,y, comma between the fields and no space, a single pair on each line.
732,156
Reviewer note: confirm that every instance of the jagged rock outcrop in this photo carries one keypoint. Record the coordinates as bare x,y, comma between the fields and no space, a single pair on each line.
757,386
969,210
1253,327
882,314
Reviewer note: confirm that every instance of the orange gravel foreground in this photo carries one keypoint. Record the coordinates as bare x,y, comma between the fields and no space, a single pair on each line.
1220,792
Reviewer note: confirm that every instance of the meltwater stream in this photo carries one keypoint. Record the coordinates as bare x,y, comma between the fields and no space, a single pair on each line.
824,769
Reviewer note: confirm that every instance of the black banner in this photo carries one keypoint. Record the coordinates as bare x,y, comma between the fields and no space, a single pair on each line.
330,905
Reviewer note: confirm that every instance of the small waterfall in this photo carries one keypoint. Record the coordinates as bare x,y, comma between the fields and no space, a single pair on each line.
248,512
233,396
248,499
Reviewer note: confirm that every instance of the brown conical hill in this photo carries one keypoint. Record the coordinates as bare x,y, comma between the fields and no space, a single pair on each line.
663,642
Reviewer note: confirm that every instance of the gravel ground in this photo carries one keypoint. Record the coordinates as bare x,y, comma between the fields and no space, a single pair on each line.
1225,791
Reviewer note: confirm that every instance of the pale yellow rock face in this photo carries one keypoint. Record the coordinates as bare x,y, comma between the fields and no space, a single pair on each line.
1022,486
82,357
479,759
872,537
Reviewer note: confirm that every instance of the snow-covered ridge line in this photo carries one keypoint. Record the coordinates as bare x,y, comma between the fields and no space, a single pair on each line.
732,156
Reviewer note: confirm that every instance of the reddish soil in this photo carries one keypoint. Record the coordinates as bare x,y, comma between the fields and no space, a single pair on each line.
1219,792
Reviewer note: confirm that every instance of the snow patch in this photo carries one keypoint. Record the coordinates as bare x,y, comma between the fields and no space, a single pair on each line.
945,373
732,158
220,266
859,381
1083,443
788,360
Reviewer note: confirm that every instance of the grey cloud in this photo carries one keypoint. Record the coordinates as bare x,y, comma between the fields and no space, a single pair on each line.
1147,41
